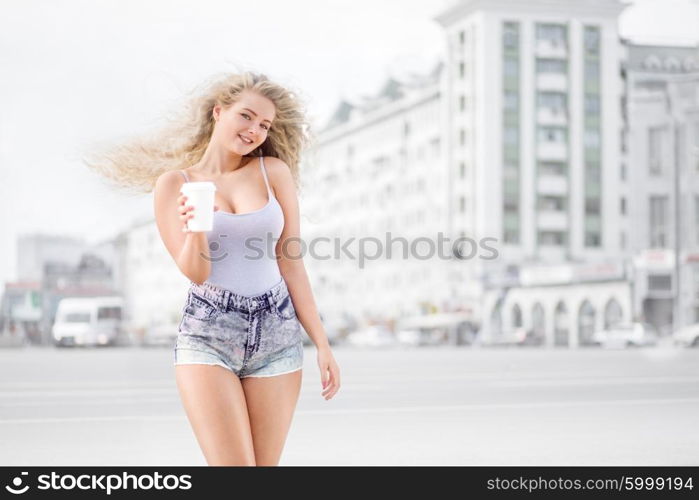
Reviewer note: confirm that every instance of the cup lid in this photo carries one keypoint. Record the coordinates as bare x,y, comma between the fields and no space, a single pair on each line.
198,186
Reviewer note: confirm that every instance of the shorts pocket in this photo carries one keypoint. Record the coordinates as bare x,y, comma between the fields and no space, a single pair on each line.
199,308
284,308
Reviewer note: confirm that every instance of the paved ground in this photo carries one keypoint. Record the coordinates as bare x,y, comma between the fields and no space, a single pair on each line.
428,406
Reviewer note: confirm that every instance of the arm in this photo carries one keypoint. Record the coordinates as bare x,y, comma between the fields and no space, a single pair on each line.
190,250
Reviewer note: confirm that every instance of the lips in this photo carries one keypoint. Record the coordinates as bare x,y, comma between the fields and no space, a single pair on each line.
245,139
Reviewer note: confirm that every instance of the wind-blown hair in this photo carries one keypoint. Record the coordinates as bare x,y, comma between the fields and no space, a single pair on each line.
138,163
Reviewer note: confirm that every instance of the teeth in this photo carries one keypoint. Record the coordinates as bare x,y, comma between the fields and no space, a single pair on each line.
245,140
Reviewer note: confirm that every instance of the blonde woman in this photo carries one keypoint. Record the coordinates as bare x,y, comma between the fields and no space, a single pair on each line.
239,351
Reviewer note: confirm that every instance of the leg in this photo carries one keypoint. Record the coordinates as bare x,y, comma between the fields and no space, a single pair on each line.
271,404
214,401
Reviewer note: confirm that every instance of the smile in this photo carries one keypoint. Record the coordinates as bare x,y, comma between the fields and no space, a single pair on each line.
245,140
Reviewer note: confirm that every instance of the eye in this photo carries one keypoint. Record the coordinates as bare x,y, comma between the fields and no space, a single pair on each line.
266,127
246,115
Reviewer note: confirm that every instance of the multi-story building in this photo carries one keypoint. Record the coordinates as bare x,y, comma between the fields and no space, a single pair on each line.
380,176
155,290
542,161
528,114
660,181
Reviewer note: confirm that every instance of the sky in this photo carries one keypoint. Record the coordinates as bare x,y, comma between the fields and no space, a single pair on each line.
79,71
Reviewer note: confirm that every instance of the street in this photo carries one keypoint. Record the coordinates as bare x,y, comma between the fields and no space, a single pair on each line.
404,406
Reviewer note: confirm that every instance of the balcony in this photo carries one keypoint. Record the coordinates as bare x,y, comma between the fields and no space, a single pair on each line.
551,49
552,116
552,81
552,220
554,151
552,185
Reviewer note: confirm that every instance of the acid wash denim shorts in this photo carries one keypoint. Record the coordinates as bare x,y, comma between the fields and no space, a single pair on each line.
257,336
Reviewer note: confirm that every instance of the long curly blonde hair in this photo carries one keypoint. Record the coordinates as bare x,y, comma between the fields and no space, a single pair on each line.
138,163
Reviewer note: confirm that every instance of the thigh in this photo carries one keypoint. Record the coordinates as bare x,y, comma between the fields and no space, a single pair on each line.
271,403
215,405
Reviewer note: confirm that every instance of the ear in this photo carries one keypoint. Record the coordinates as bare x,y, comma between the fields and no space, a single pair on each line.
216,112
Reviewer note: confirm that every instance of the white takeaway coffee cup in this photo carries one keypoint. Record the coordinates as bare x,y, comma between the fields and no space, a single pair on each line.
200,195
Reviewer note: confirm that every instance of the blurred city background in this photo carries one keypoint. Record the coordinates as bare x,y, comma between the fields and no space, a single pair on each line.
570,143
564,131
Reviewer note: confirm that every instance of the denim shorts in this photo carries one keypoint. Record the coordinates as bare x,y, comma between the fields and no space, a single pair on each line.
257,336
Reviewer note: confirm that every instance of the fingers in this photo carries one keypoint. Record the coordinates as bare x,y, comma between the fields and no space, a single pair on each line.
333,383
186,212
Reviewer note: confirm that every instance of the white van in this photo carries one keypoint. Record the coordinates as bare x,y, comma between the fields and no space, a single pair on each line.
88,321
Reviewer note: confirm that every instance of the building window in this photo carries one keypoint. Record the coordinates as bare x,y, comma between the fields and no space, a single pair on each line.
462,170
592,206
553,101
511,67
510,36
462,102
655,150
592,39
555,238
555,34
462,37
623,206
462,204
511,135
658,221
511,100
592,139
552,168
591,104
462,70
592,239
552,134
555,66
462,137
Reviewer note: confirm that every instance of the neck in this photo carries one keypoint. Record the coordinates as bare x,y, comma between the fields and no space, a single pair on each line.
218,162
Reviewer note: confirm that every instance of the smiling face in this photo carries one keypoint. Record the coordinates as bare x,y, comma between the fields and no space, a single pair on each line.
244,125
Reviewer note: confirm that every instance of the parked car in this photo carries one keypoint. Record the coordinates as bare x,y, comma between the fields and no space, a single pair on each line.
88,321
514,337
409,337
372,336
687,336
627,335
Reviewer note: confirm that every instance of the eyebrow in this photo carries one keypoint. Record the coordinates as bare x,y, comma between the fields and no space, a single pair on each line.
248,109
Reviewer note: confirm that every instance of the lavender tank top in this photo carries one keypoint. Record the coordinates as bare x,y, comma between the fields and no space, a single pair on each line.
242,247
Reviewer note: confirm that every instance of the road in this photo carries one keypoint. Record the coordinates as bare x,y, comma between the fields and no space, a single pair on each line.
416,406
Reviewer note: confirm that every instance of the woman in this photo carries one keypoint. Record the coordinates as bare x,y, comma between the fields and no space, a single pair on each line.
239,350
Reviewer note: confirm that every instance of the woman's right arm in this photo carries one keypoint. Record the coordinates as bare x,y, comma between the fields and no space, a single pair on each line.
189,250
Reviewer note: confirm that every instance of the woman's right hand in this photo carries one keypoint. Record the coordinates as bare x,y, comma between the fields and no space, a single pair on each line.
186,211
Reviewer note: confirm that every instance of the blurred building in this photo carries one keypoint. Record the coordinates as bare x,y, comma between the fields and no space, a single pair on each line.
380,172
542,132
660,167
155,290
49,269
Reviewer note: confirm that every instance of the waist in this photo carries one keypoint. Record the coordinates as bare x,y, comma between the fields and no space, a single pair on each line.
224,297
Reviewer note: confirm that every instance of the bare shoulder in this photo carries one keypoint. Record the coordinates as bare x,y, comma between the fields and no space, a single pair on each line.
169,180
279,173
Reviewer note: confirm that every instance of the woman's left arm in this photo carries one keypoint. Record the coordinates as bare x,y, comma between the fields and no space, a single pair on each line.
290,259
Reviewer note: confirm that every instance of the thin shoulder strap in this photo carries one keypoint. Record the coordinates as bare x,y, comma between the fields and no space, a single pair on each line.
184,175
264,174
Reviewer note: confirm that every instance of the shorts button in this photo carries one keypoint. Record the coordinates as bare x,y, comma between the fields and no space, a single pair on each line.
254,303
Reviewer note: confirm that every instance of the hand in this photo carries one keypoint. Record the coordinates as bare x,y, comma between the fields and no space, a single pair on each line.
185,212
329,373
